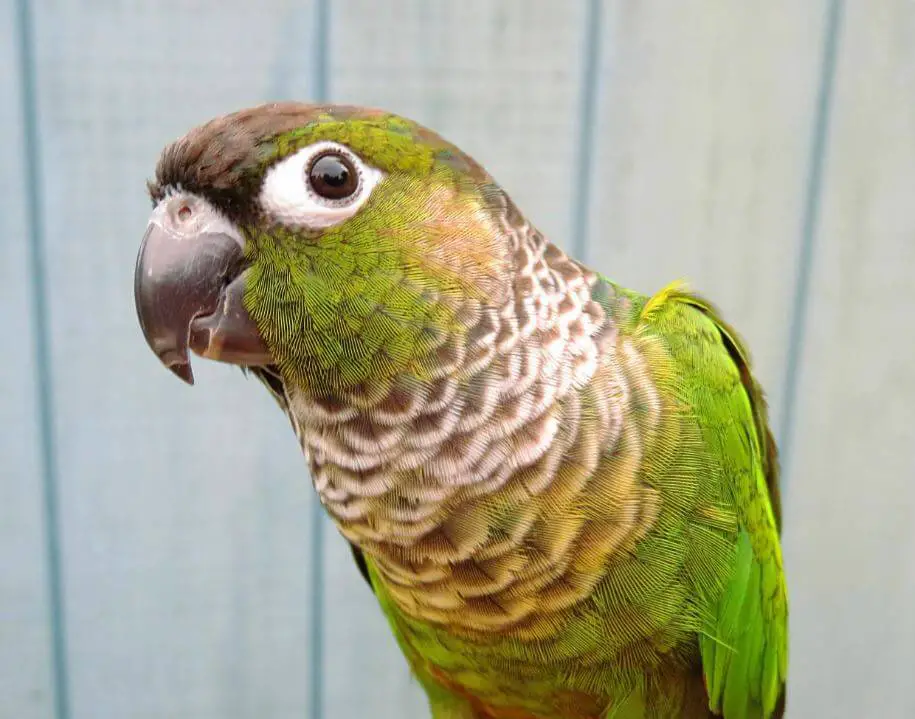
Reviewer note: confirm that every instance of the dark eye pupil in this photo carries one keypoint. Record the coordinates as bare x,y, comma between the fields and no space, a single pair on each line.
333,177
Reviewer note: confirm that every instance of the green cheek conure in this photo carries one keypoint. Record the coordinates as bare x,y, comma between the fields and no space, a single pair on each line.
563,493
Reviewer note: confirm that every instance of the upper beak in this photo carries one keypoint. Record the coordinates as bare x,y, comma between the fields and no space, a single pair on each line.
189,288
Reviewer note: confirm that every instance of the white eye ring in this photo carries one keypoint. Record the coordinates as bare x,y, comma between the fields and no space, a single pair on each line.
287,195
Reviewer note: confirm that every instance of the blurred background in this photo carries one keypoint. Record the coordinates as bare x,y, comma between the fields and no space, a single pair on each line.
160,550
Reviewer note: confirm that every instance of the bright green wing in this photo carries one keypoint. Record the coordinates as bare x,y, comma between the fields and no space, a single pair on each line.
745,647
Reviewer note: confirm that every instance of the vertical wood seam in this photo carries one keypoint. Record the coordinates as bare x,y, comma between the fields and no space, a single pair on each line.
44,395
810,225
590,85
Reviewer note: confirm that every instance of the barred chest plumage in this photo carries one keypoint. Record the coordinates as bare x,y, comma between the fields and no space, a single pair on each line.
445,481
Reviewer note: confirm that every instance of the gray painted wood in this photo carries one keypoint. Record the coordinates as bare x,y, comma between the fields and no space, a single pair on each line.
703,145
850,539
26,682
184,511
500,80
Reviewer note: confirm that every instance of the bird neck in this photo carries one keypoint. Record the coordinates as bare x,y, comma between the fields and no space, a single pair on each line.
442,469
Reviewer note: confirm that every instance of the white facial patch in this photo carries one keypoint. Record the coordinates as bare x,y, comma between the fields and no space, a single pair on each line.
288,196
186,216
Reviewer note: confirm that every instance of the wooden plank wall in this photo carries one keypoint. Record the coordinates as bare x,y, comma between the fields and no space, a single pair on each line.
26,677
851,540
763,151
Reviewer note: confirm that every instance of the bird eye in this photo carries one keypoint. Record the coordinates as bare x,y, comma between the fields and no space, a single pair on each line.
318,186
333,176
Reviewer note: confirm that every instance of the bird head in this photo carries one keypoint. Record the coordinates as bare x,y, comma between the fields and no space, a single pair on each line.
337,245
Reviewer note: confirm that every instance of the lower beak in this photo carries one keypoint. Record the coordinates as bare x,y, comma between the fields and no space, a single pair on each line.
189,288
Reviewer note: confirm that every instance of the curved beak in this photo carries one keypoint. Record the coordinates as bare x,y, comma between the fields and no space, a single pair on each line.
189,286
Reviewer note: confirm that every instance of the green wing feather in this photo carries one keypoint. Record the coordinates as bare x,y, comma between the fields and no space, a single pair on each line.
744,647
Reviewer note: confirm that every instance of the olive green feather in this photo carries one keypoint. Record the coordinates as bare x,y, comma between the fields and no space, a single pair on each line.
744,646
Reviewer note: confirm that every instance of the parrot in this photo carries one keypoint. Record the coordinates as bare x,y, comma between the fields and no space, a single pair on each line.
563,493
